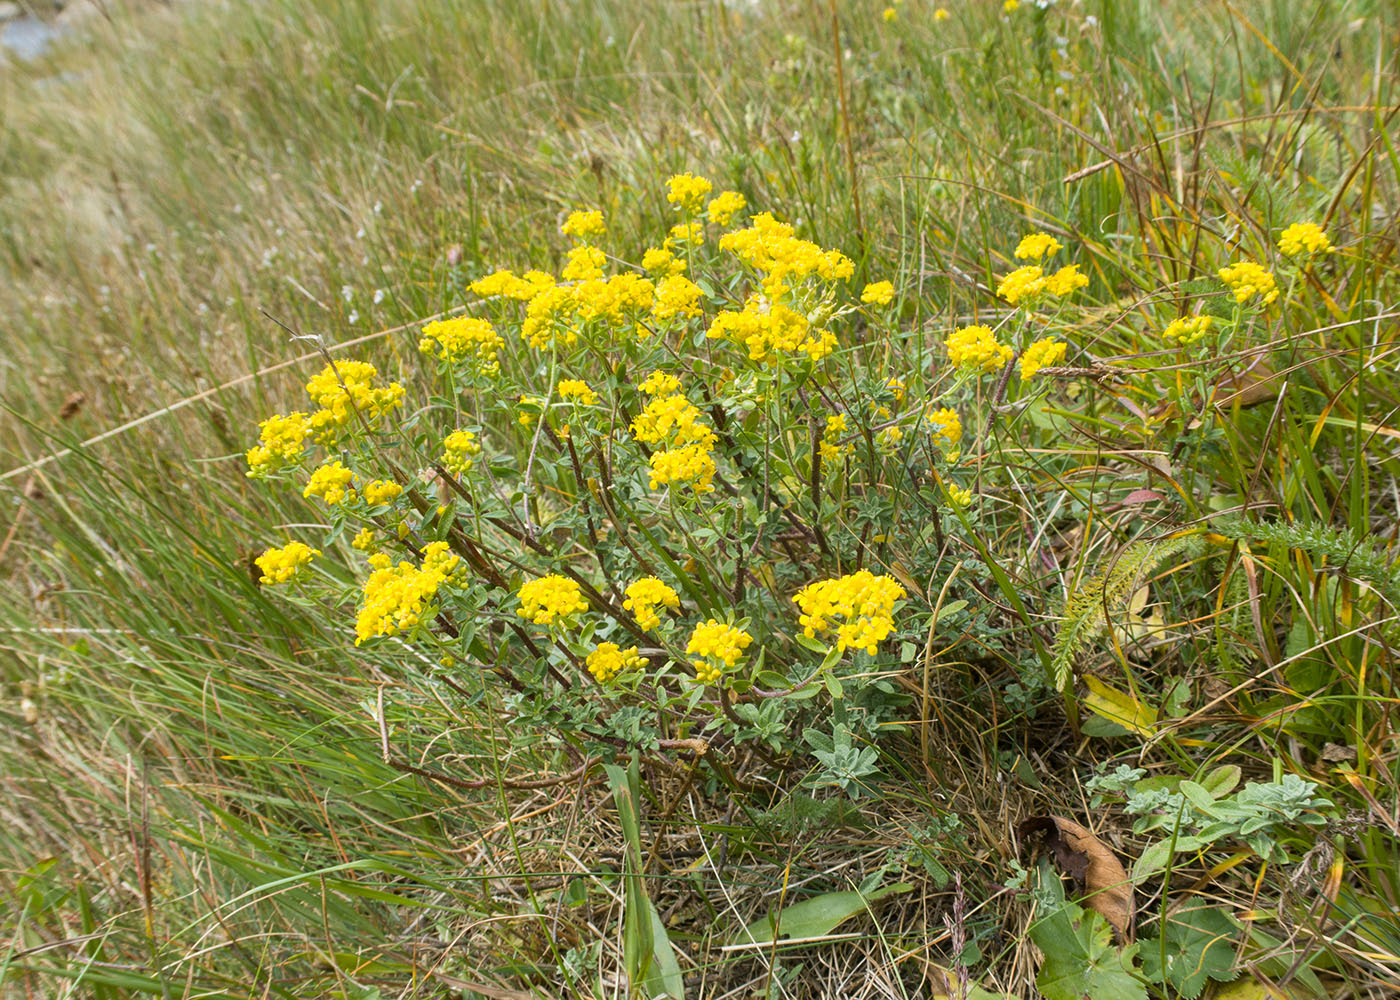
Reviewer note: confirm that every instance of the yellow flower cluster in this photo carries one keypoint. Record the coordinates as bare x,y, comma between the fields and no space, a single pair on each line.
332,482
660,383
608,660
687,192
1187,329
945,428
378,491
551,599
1036,246
880,293
941,14
1044,353
769,246
281,439
662,261
644,598
505,283
889,14
1247,279
546,318
584,262
1025,284
692,463
830,447
677,296
461,339
864,603
959,496
887,439
896,388
364,539
577,389
280,565
724,206
396,597
458,448
769,328
719,647
584,225
686,232
1303,238
672,419
341,402
976,347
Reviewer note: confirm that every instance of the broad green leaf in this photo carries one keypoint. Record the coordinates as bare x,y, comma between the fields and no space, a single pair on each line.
815,917
1081,962
1199,944
1120,707
1155,858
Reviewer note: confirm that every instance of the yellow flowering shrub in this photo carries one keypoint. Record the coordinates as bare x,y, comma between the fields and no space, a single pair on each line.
976,348
647,595
551,599
858,608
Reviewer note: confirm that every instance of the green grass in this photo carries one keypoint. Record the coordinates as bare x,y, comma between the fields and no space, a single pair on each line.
201,804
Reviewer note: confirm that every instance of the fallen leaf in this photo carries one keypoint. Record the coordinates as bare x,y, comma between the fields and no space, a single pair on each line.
1090,863
1119,706
947,986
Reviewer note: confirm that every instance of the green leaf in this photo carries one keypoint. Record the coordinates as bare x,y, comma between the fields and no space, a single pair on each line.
1199,944
814,917
1081,962
1221,781
664,979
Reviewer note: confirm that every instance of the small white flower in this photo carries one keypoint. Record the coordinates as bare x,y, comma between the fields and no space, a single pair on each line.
360,233
378,296
347,293
354,316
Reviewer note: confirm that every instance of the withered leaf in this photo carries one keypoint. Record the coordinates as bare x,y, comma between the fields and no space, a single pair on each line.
1090,862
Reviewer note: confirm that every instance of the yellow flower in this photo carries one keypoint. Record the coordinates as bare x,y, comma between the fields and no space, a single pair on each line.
1187,329
766,328
830,447
724,206
395,598
858,607
976,347
941,14
572,388
332,482
691,464
687,232
1247,279
719,646
280,565
364,539
584,225
505,283
878,292
1066,280
461,339
345,391
551,599
1303,238
889,14
645,596
378,491
457,451
1036,246
660,383
945,428
1024,283
584,262
1011,6
959,496
1044,353
608,660
281,439
672,418
889,438
687,192
676,296
662,261
769,246
896,387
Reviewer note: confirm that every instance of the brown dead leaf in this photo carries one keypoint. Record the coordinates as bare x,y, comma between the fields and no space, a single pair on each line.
1092,864
1254,384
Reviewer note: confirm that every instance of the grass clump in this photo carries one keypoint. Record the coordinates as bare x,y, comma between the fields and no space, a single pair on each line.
691,586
